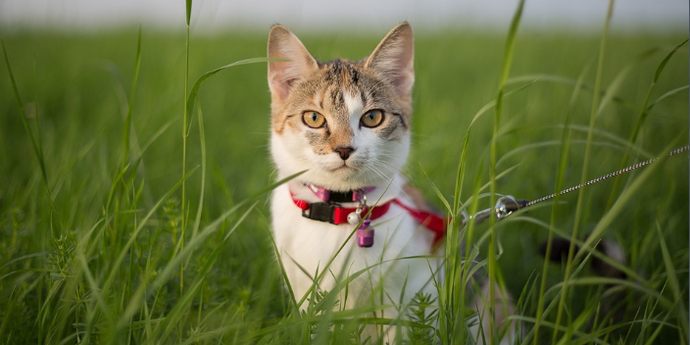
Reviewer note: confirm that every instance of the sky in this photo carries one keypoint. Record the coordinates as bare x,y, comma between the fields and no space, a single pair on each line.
359,15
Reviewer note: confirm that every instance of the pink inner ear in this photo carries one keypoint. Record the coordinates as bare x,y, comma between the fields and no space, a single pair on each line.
279,85
282,87
279,79
403,80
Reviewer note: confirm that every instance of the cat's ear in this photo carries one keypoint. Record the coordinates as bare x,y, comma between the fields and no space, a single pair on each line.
283,44
393,59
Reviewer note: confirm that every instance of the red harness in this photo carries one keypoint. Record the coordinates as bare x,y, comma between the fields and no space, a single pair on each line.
334,214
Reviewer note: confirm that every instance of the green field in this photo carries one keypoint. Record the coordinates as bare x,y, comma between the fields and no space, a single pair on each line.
99,244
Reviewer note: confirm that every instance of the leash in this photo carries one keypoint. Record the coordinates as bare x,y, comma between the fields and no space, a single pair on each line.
506,205
330,210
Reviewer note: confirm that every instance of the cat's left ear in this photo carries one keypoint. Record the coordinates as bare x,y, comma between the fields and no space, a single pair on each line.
283,44
393,59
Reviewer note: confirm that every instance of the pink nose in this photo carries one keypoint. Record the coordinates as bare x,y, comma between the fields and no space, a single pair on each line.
344,152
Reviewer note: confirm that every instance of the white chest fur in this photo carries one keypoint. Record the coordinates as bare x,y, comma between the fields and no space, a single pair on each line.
392,264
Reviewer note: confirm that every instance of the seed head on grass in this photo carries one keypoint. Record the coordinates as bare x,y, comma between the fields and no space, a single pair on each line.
424,313
60,258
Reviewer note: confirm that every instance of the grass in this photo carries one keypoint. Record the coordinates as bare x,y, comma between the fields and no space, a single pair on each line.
98,243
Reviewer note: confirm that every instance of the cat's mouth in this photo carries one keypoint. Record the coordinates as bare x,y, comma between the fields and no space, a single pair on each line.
343,168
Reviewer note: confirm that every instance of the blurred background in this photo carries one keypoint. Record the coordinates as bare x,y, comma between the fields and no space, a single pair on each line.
359,15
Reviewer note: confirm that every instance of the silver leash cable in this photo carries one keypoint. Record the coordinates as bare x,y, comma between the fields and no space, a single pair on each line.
506,205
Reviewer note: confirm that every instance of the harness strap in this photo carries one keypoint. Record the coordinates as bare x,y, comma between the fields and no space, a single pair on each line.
429,220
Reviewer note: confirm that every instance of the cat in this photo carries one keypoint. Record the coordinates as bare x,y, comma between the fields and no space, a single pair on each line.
343,129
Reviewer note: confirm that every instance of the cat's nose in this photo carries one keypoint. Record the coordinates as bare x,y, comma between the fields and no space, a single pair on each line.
344,152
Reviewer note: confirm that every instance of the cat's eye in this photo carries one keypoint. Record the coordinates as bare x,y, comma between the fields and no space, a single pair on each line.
313,119
372,118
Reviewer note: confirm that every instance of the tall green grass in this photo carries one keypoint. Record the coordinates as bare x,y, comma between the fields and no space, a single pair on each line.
116,229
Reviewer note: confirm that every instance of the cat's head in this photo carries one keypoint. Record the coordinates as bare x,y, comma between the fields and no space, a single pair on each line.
346,123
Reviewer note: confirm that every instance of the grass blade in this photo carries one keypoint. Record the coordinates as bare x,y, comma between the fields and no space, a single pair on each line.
38,150
128,119
505,73
585,167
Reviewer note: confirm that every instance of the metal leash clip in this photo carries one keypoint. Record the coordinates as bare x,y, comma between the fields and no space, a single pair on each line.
505,206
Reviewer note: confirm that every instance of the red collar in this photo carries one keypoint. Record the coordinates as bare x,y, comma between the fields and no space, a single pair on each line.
334,214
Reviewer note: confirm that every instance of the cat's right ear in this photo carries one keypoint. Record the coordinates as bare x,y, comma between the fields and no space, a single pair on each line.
284,45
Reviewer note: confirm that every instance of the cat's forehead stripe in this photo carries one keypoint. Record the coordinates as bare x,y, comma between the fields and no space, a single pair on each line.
322,97
353,103
337,97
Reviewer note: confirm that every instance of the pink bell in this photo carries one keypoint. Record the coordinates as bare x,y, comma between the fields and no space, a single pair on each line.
365,235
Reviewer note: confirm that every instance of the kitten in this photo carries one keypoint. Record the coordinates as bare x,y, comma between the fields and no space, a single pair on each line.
346,126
